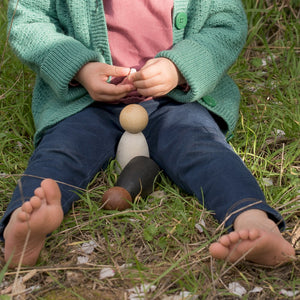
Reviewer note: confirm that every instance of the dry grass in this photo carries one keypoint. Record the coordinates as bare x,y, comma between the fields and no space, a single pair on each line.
156,242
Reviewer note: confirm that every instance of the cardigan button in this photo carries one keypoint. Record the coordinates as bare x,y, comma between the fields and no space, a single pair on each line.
210,101
181,20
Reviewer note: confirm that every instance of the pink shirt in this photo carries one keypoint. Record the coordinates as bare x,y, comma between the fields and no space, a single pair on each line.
137,31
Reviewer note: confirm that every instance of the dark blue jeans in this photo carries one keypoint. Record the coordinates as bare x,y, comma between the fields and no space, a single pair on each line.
184,140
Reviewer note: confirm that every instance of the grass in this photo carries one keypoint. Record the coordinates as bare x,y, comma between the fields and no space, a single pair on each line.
157,238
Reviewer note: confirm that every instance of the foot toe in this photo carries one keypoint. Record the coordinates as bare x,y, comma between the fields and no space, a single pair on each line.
253,234
39,192
225,240
27,207
23,216
35,202
218,251
51,190
234,237
244,234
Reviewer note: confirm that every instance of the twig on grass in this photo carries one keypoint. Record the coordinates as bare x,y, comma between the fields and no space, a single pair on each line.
11,88
281,165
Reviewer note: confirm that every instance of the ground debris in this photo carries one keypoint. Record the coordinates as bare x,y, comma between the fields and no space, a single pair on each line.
88,248
182,296
237,289
296,237
19,287
74,277
289,293
139,292
200,226
106,273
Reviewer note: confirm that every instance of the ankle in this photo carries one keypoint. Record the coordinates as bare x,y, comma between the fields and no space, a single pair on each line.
254,218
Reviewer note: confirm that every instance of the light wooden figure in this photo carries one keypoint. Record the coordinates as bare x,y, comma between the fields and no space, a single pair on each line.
133,119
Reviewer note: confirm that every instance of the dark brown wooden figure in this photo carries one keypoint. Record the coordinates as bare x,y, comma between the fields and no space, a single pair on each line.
116,198
137,178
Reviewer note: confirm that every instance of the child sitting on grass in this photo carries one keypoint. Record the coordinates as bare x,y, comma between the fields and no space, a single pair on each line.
82,52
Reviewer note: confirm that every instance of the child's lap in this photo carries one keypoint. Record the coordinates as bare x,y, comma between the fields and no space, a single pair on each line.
83,144
93,133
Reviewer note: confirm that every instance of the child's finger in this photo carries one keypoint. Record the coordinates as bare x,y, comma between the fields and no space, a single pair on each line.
147,83
115,71
148,71
115,90
154,91
107,91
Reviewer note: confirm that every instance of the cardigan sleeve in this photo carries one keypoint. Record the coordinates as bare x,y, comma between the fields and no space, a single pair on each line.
214,36
38,39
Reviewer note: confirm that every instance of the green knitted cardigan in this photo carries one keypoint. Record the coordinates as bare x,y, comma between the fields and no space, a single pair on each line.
57,37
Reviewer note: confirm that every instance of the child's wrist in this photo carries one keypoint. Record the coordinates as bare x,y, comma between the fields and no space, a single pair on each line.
74,82
184,87
181,79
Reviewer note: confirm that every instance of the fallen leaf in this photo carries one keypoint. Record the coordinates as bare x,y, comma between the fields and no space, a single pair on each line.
257,289
81,260
237,289
139,292
279,132
263,62
125,266
106,273
200,225
289,293
88,248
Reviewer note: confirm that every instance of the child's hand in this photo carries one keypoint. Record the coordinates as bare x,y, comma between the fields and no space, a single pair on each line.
156,78
94,75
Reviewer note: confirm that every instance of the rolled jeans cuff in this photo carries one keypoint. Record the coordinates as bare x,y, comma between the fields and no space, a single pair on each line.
252,203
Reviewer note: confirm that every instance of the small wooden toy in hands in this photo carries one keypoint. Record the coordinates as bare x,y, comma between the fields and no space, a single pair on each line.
138,171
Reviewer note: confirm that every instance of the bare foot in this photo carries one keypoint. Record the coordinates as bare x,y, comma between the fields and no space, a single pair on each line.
41,216
256,238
